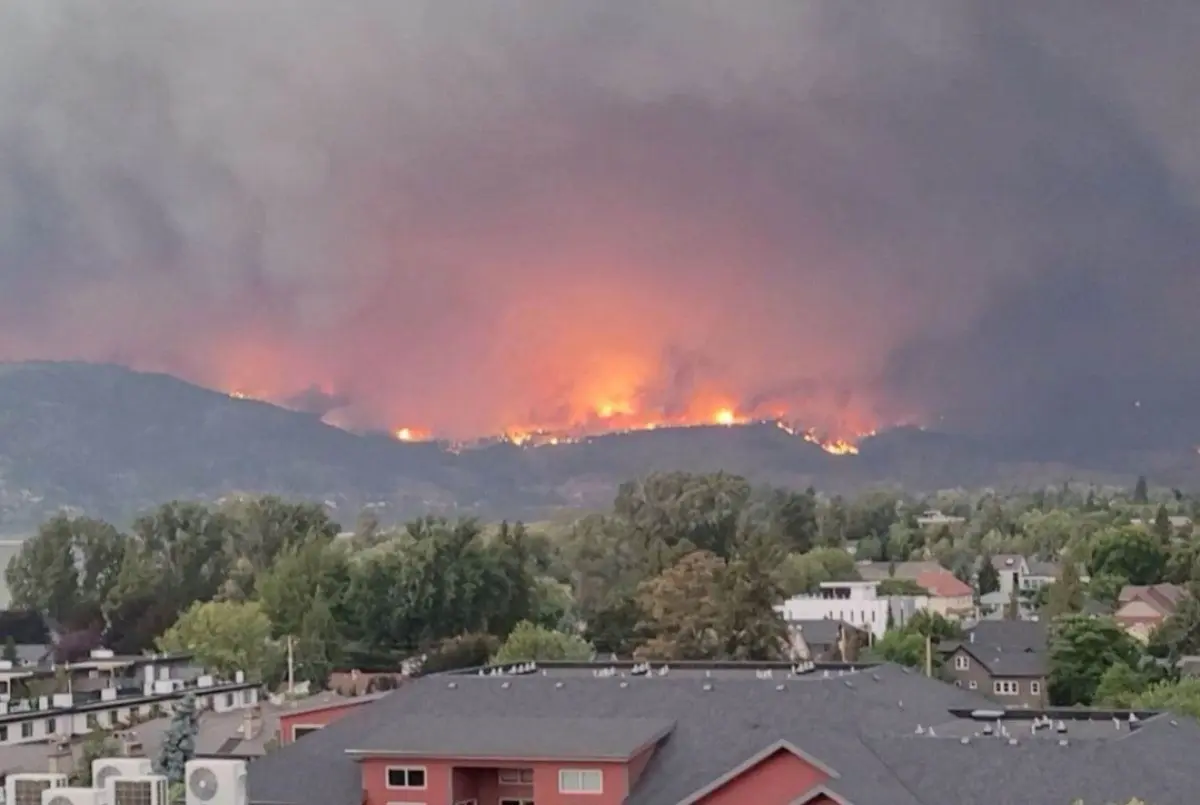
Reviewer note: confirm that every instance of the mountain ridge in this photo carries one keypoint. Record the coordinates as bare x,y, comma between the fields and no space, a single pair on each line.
110,441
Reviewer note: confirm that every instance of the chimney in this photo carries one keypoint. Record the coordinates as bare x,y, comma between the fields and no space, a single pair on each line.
61,758
251,723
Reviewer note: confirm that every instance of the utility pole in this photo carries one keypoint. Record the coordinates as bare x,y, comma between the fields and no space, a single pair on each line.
291,665
929,655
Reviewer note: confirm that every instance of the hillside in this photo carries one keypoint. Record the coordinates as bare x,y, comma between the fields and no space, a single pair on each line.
111,442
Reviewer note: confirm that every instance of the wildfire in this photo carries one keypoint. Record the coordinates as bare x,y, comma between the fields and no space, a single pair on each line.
412,435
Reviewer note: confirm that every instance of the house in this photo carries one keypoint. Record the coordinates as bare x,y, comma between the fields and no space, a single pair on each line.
855,602
317,712
1142,609
882,571
1040,574
1012,568
948,596
1004,660
1178,522
826,640
935,519
721,734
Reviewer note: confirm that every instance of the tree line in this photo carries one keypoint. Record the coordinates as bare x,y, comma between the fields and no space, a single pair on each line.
681,566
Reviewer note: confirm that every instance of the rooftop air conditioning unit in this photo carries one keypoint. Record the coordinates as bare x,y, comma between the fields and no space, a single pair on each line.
26,789
216,782
144,789
105,769
73,796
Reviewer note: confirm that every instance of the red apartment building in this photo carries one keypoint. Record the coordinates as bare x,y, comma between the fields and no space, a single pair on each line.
720,734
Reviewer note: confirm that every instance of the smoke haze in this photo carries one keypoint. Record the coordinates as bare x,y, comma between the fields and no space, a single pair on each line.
463,216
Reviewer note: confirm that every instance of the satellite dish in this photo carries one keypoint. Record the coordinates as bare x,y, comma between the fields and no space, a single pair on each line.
203,784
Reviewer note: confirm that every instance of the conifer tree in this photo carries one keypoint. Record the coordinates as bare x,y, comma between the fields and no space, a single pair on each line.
179,745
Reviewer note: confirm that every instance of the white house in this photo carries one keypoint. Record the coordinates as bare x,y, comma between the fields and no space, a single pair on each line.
858,603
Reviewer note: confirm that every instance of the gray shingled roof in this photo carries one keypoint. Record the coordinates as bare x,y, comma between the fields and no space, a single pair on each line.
1009,648
818,631
515,737
862,726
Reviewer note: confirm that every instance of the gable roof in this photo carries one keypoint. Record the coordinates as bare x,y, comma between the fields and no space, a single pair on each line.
882,571
716,730
1009,648
943,584
1007,561
514,737
1164,598
861,727
755,760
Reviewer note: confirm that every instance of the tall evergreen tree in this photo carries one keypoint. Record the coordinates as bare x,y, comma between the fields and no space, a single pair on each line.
989,577
1141,491
1066,594
179,745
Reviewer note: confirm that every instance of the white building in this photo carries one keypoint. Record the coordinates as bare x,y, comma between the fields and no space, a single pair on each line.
858,603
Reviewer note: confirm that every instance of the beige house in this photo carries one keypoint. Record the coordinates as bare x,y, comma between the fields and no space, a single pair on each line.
1141,610
948,596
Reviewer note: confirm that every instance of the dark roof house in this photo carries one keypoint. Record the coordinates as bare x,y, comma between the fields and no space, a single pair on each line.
722,733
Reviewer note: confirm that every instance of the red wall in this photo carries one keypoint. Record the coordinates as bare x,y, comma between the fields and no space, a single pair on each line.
777,780
323,717
451,781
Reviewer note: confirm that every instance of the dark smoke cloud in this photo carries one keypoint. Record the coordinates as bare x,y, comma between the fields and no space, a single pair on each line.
465,215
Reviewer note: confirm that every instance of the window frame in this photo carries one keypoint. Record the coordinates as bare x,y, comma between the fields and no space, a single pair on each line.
308,730
520,776
1035,687
387,778
565,789
26,729
962,662
1006,687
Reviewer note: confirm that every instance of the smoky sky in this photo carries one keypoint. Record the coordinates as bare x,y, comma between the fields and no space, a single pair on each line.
465,215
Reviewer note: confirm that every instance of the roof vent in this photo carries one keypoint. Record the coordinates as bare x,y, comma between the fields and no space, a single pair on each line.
900,704
848,683
1063,742
1061,726
987,729
1012,741
1174,723
558,685
506,685
876,677
920,730
964,740
452,685
707,686
781,687
624,684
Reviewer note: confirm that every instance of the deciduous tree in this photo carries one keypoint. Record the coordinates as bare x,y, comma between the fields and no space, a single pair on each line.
1081,650
530,642
224,636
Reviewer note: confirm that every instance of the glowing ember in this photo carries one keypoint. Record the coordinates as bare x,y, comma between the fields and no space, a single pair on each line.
725,417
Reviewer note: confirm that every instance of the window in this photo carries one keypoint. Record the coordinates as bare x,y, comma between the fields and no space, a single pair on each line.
973,685
1006,687
3,733
229,700
92,722
516,802
1035,688
580,781
300,730
962,662
406,777
27,729
51,726
516,776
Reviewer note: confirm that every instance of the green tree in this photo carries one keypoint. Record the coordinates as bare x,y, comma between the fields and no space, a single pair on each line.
179,745
10,650
681,615
529,642
316,652
804,573
67,569
1141,492
901,647
224,636
989,577
1180,697
1120,686
1131,553
901,587
97,745
749,625
1081,650
1162,524
1179,634
286,589
1012,610
1065,595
